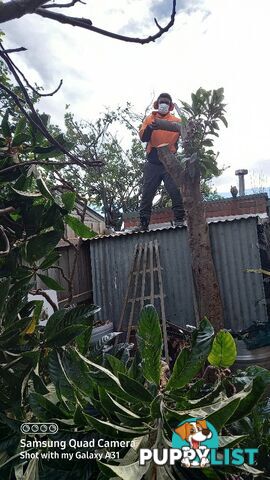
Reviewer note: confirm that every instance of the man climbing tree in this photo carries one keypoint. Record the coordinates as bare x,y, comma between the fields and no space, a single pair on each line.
154,170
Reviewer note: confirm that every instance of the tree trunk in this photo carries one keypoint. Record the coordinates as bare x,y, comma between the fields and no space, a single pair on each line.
204,274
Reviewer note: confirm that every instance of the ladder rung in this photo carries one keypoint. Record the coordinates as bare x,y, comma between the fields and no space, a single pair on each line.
138,299
155,269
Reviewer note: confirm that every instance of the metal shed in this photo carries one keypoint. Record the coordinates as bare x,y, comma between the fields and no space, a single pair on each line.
234,246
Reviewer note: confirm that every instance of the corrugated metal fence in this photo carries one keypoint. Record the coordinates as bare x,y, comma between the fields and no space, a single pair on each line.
235,248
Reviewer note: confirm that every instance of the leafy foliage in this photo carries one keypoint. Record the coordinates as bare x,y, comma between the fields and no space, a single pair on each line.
223,353
96,393
201,123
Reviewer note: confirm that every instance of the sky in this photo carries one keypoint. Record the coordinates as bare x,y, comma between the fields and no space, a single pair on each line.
212,44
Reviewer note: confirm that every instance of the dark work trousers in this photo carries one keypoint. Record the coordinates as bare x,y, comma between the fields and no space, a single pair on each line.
153,176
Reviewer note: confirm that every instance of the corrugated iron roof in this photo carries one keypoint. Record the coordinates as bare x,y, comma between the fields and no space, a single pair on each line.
168,226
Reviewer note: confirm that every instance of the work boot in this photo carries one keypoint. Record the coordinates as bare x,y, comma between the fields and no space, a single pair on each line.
142,227
178,223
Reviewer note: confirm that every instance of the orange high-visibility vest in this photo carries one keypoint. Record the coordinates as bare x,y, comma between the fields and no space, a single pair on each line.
159,137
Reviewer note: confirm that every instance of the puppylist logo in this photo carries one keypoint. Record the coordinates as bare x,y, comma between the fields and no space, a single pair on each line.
195,444
195,438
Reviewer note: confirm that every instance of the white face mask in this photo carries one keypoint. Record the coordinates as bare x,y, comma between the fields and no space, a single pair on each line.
163,108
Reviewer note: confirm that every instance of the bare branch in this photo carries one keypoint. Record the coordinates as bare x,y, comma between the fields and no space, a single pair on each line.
69,243
18,8
56,267
33,162
39,291
15,50
63,5
157,24
6,242
87,24
25,79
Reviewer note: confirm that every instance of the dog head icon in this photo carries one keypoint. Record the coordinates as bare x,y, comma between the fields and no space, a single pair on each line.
194,432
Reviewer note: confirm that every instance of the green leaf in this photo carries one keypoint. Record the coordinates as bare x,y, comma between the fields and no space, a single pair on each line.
78,315
79,228
215,125
246,405
20,138
208,142
39,385
44,189
5,126
50,282
43,408
65,336
219,412
59,377
26,194
230,441
223,119
134,471
41,245
111,381
189,363
134,388
150,343
115,431
32,471
115,364
224,413
257,371
50,260
156,407
77,372
20,127
68,199
4,289
16,328
250,470
223,353
35,317
53,324
114,406
83,340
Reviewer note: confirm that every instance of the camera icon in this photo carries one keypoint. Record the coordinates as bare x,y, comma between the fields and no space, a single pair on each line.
39,428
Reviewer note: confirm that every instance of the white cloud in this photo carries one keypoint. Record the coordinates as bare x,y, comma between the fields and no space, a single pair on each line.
227,48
